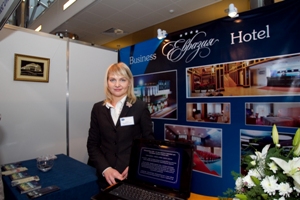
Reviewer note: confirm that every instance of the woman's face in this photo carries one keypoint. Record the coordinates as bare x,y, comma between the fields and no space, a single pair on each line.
117,85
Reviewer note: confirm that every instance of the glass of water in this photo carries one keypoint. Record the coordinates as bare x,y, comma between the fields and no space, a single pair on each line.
44,163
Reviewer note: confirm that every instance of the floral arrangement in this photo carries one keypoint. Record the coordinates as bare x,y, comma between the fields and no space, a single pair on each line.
273,174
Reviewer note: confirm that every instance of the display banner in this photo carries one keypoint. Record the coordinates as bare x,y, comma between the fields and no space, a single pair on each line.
222,85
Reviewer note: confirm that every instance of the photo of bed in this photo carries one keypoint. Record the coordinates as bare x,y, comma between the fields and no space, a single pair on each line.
267,114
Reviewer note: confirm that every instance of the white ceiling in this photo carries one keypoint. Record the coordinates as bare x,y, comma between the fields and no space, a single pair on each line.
128,15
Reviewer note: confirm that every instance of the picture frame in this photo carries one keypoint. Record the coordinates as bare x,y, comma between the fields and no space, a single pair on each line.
31,68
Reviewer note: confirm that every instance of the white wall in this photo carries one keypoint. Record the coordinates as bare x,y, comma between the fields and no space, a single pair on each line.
34,114
87,70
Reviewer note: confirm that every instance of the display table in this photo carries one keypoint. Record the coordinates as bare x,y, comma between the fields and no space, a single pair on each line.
201,197
75,179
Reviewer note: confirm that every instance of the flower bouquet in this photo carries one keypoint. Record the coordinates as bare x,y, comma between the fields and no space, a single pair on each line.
272,174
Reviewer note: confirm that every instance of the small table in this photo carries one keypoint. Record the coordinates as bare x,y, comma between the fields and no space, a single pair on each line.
75,179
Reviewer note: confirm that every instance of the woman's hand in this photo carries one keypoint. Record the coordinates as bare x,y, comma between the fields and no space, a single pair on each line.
112,174
125,173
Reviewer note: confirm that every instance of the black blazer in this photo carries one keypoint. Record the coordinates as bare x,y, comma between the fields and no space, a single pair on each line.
109,145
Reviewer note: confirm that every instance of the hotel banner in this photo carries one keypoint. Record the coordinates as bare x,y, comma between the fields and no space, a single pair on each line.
222,85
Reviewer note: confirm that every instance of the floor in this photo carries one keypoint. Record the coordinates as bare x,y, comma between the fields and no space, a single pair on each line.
252,91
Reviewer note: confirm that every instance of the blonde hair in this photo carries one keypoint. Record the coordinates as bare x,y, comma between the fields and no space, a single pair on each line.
119,69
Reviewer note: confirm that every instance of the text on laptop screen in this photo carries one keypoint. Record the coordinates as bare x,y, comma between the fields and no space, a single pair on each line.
160,166
165,166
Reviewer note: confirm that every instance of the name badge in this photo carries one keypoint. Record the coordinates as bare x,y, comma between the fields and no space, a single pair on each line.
127,121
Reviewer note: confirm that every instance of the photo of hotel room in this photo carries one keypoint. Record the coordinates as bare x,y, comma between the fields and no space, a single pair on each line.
252,140
208,146
208,112
267,114
258,77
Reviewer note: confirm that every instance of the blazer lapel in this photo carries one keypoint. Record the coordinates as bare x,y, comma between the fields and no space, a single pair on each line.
124,112
108,116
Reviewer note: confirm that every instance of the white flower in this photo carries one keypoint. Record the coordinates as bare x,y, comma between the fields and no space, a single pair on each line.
239,183
285,189
253,162
290,168
281,198
296,187
256,173
269,184
261,155
248,181
273,167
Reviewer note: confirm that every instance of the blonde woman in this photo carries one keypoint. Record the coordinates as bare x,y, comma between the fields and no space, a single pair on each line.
115,123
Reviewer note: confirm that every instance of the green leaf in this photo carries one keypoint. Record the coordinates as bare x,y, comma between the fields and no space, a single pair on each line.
255,180
265,196
241,196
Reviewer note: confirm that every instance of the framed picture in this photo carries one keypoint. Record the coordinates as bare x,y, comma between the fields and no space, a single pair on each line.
31,68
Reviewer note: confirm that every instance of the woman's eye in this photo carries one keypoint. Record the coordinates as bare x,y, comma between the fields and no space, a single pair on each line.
112,80
123,80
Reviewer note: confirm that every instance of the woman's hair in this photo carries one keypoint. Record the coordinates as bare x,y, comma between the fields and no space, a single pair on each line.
119,69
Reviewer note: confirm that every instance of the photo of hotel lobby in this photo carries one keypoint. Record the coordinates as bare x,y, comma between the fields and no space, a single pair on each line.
260,77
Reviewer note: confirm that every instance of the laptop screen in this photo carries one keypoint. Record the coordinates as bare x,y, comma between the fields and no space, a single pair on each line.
162,164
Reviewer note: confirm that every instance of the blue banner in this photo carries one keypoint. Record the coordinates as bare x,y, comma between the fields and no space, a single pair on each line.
222,85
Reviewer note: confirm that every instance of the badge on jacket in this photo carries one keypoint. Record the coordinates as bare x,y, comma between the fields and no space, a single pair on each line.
127,121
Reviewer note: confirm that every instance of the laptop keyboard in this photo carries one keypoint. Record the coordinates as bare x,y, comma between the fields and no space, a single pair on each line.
130,192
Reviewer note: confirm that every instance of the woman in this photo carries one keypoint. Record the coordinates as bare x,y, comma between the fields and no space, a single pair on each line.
115,123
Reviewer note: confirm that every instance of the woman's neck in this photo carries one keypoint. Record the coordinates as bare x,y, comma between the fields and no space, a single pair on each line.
115,100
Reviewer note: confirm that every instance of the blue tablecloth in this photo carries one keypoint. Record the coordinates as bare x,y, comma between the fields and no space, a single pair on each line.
75,179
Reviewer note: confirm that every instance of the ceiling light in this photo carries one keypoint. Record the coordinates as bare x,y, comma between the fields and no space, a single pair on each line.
68,4
38,28
161,34
232,11
70,35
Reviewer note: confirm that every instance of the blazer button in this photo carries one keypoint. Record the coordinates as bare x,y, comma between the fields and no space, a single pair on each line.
115,142
116,155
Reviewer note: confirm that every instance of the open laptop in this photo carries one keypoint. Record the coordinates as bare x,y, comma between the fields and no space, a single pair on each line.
158,168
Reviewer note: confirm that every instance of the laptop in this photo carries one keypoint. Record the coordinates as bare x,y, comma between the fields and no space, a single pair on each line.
158,168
